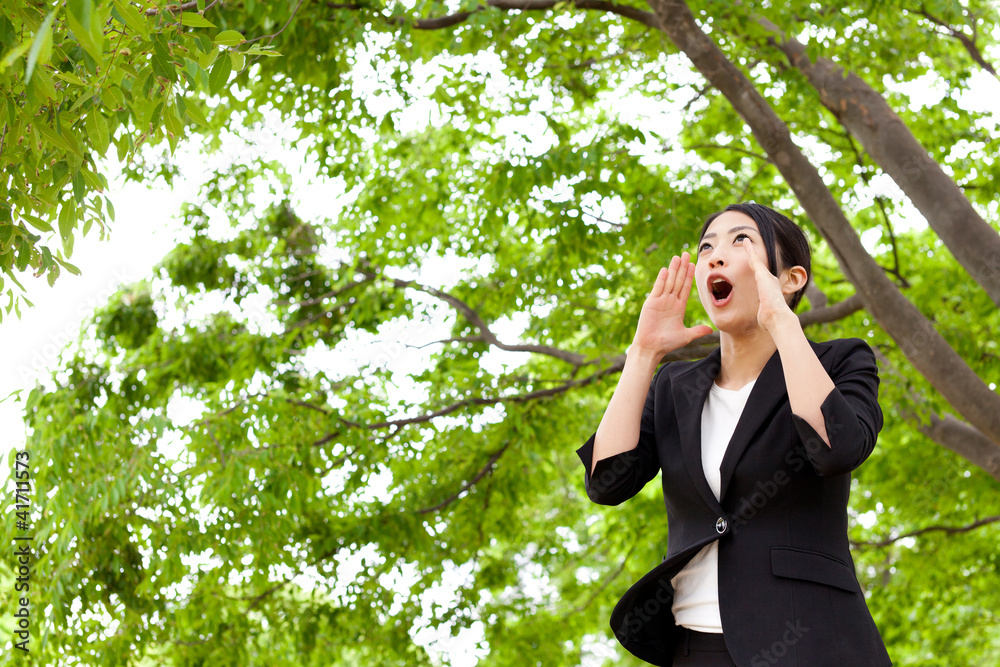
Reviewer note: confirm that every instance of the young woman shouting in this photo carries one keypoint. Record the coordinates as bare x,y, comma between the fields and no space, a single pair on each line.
756,443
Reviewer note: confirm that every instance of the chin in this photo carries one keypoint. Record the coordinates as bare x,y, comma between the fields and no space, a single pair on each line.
734,323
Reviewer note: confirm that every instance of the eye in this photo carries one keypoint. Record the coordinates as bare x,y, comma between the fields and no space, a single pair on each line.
742,235
703,247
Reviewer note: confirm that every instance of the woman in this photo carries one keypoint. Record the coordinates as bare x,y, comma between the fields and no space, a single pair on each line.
756,443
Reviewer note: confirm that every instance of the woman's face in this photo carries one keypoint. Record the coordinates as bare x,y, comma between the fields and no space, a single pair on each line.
726,284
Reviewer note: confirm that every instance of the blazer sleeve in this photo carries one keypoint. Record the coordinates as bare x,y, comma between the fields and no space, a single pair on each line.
617,478
851,412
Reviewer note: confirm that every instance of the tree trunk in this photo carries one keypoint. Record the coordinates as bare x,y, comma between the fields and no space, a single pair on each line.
929,353
893,147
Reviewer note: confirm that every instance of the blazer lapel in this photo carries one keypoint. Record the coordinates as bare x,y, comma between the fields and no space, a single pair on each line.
767,392
690,386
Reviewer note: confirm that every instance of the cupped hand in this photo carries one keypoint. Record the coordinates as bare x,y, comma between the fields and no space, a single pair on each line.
772,300
661,327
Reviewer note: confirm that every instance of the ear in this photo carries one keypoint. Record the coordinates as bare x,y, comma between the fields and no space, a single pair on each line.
793,279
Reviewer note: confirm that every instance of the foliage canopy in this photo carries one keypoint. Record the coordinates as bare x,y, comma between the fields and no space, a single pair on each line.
212,458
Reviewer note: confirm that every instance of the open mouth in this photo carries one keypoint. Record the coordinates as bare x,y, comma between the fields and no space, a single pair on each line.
721,291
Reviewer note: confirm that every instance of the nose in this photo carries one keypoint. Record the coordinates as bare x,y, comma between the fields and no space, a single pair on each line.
715,258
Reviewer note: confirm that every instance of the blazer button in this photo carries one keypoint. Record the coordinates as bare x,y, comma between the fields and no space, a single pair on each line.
721,525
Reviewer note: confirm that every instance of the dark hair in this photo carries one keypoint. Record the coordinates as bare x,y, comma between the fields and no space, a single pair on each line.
778,233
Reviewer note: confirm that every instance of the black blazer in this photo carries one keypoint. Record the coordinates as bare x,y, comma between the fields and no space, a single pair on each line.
788,593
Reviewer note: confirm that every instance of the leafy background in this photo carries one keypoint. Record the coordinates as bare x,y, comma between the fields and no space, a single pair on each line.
227,473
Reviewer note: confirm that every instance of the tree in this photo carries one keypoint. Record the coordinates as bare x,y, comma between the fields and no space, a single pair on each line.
77,78
218,538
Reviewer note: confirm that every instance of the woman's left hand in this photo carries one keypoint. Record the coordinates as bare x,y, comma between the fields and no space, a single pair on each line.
773,307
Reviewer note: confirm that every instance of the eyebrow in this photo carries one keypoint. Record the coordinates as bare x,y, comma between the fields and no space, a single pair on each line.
711,234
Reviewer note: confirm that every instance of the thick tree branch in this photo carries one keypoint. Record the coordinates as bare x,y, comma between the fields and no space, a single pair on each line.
926,349
817,299
516,398
837,311
973,242
951,530
965,440
440,22
484,331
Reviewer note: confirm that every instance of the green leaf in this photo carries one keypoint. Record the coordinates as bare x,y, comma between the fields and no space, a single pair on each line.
81,19
39,224
56,139
162,62
33,398
207,59
132,18
219,75
195,21
41,46
123,147
80,101
79,188
229,38
11,56
51,275
43,85
193,112
238,60
117,95
93,181
174,126
23,255
69,267
97,131
69,77
67,220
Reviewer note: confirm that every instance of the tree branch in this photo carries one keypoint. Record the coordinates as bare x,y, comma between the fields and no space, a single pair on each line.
891,145
468,484
271,37
960,437
968,42
439,22
477,321
916,336
177,9
614,575
615,367
951,530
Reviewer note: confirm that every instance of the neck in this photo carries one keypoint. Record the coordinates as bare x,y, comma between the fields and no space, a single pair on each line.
743,357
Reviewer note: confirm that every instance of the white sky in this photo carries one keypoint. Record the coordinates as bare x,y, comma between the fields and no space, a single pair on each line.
147,227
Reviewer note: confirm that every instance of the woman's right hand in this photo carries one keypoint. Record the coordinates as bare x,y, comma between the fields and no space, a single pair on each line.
661,327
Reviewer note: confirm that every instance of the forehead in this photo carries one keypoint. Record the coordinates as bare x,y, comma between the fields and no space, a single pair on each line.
729,219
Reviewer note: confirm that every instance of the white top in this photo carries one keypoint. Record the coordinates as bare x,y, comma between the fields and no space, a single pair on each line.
696,586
